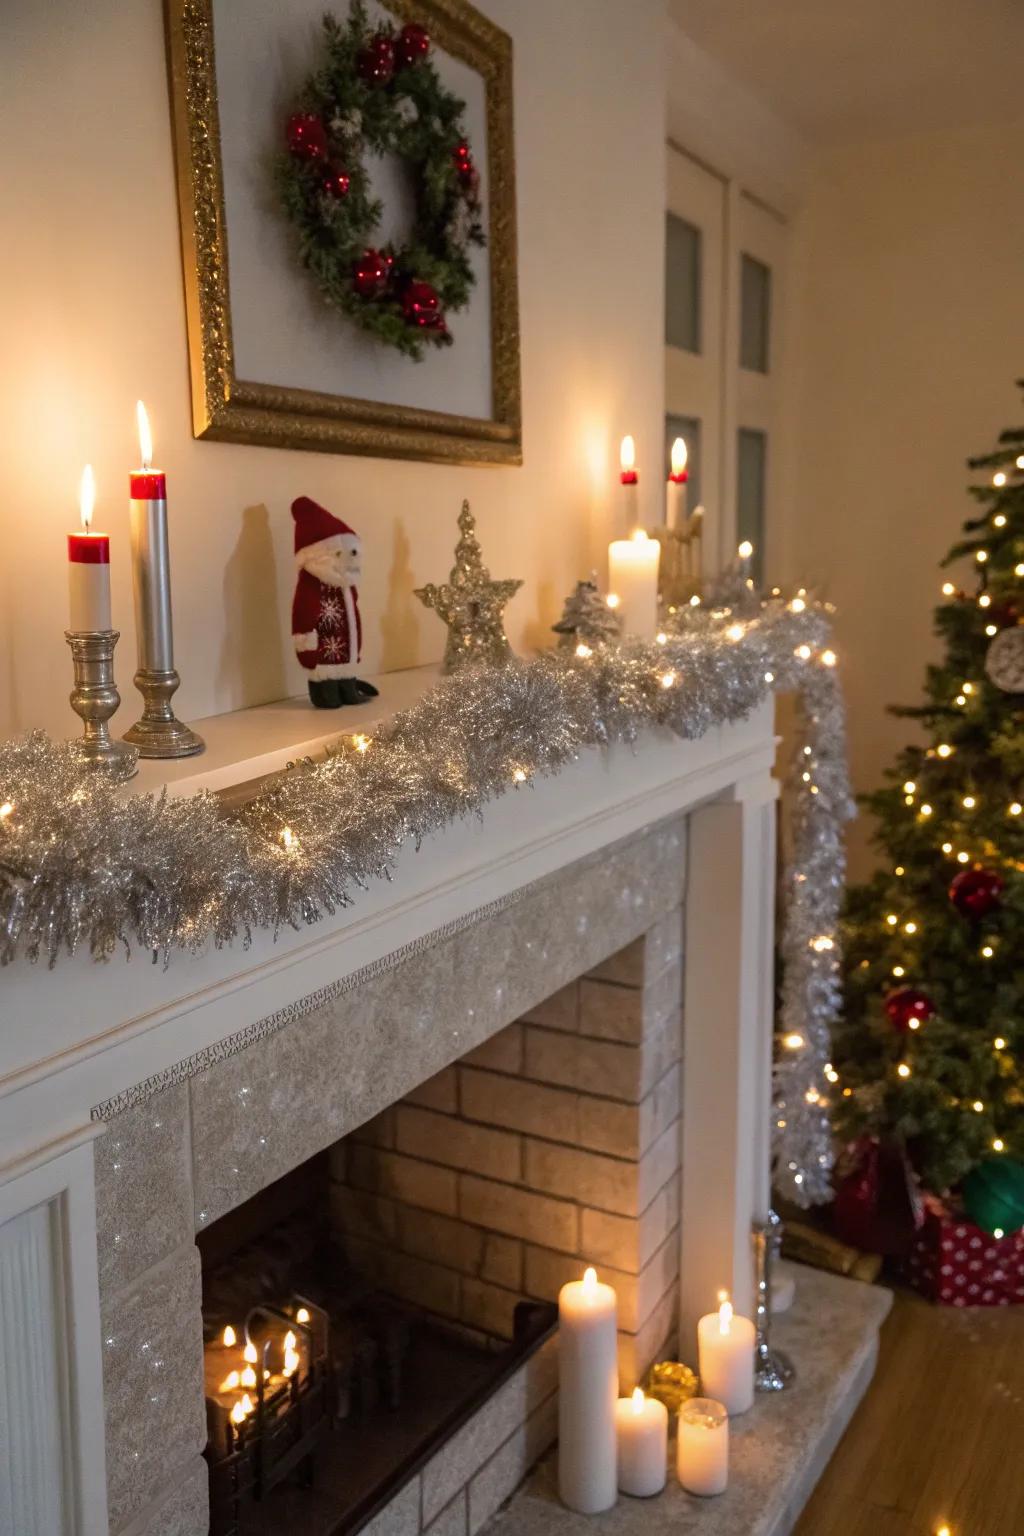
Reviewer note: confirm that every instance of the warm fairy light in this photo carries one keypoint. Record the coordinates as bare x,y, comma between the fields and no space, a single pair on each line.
745,550
1019,461
963,858
361,743
793,1042
985,600
947,847
822,943
968,688
981,555
583,651
804,652
1000,520
248,1376
909,927
590,1280
695,601
997,1233
960,700
944,749
6,810
999,1043
898,970
519,775
289,840
249,1354
987,952
145,435
892,919
903,1070
230,1382
999,478
908,799
998,1144
677,455
661,637
613,600
806,777
638,1398
991,629
948,589
909,787
847,1093
943,1530
797,605
87,496
769,677
926,809
302,1315
1015,808
829,658
229,1337
968,802
724,1312
831,1075
667,679
627,455
812,1096
735,632
899,870
978,1107
1018,570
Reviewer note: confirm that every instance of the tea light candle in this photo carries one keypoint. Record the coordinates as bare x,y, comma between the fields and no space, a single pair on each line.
588,1380
725,1345
88,567
633,577
641,1425
702,1449
675,487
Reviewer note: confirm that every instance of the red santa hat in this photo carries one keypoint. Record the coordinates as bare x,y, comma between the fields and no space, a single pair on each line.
317,531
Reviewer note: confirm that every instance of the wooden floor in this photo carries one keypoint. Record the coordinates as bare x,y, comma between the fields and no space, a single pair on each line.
939,1436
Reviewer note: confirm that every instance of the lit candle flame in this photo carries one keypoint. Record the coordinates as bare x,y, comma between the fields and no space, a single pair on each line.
249,1354
238,1412
248,1377
230,1337
361,743
289,839
638,1398
302,1315
638,536
590,1280
745,550
145,435
230,1382
87,496
291,1362
678,456
627,455
724,1312
289,1340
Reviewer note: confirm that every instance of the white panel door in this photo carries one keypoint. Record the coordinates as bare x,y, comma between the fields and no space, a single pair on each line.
695,334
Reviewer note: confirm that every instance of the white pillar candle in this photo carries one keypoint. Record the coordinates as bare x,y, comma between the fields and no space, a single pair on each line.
633,578
588,1386
745,557
675,487
641,1425
88,567
725,1346
702,1448
630,482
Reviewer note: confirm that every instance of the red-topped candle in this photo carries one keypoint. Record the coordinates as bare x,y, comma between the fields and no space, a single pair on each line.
151,566
675,486
88,567
630,482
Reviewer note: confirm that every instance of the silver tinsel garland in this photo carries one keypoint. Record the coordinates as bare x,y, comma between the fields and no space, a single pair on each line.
83,863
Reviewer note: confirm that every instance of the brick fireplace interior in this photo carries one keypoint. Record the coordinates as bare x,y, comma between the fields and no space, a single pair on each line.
435,1238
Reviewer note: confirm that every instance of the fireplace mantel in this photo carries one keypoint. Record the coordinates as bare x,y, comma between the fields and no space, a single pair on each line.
83,1038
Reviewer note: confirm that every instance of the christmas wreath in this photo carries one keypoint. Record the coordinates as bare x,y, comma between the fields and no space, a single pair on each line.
378,91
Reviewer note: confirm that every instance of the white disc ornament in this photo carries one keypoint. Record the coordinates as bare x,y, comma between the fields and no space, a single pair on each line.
1004,660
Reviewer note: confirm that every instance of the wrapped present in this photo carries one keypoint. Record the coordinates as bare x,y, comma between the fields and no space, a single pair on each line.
957,1264
877,1205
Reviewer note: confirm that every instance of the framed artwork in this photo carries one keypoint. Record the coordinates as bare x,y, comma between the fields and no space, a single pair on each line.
346,189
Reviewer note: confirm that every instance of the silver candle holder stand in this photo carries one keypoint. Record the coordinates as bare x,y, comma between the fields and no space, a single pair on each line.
158,732
94,699
773,1370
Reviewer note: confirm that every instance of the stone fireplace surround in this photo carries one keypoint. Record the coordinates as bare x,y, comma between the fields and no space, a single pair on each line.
513,1094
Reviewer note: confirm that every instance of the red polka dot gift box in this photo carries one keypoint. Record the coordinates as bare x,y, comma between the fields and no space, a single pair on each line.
956,1264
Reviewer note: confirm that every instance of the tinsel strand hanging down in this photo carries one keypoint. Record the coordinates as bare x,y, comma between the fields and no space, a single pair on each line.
83,863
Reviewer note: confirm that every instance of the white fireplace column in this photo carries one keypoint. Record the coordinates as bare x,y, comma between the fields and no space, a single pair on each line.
727,1050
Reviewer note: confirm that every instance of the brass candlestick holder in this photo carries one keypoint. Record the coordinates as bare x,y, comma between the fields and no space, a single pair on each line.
680,563
773,1371
159,732
94,698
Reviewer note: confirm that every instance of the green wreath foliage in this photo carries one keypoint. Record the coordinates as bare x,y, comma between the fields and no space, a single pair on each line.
352,105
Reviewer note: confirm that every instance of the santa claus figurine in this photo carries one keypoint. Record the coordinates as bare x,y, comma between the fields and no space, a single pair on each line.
326,627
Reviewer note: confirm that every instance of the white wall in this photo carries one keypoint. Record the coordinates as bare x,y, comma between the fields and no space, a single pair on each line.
92,317
911,323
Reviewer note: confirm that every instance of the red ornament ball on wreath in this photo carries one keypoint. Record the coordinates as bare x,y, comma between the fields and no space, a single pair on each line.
908,1008
336,183
376,62
412,46
370,274
421,305
977,892
307,136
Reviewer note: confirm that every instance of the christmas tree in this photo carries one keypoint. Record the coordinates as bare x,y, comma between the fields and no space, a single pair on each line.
930,1049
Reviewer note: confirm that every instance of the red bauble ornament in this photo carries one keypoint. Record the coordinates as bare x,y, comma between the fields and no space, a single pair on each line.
421,306
413,45
370,274
907,1005
306,135
976,892
336,182
376,62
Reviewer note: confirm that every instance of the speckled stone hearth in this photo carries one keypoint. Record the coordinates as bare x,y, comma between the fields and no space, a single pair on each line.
778,1450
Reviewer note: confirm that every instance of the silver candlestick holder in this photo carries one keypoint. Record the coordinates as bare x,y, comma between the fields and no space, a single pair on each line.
773,1371
94,698
159,732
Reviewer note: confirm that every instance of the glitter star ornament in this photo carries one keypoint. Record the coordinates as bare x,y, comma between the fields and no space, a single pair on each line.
471,605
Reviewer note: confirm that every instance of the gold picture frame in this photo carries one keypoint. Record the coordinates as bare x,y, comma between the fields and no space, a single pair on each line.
226,408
